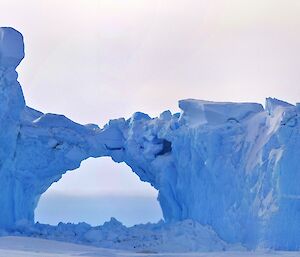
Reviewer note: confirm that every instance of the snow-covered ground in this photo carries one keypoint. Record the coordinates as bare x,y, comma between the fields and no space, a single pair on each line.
33,247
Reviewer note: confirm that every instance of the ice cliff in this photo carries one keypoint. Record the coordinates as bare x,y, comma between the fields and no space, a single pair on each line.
232,166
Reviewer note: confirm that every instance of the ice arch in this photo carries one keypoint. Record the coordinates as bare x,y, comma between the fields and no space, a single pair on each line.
36,149
95,192
233,166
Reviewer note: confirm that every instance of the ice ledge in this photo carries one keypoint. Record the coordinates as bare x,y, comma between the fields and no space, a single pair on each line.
198,112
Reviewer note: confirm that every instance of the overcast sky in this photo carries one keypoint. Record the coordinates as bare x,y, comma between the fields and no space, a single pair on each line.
94,60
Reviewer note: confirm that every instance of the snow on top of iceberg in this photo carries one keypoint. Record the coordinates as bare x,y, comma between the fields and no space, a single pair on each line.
11,47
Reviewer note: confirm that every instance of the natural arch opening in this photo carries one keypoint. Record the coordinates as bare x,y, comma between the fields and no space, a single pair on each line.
95,192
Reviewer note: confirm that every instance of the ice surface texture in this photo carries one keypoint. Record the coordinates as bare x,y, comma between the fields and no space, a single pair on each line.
232,166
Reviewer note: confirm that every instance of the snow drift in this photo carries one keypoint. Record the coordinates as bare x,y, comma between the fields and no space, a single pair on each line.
232,166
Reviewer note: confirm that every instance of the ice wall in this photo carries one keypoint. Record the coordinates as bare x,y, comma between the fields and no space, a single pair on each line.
233,166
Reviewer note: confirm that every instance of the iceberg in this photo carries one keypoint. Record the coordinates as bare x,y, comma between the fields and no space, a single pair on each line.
231,166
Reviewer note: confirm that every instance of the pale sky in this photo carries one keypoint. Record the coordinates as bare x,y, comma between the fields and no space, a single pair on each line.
94,60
